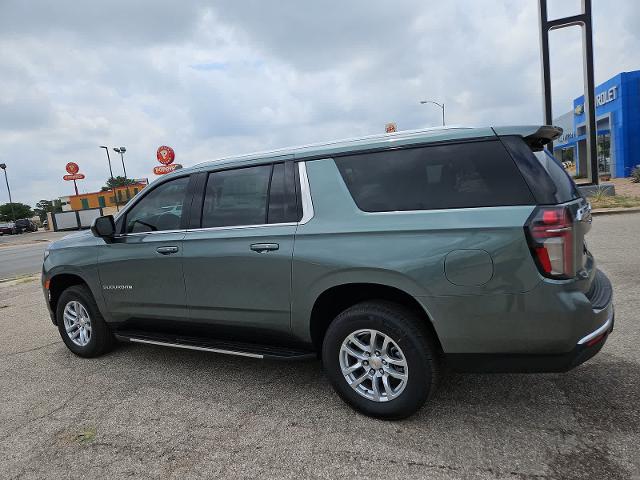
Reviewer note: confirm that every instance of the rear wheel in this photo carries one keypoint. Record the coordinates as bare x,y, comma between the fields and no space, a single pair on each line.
80,323
380,359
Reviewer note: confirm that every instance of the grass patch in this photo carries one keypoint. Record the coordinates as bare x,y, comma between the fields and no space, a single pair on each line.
617,201
86,436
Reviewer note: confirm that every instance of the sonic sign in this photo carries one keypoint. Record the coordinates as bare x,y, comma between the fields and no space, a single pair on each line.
166,156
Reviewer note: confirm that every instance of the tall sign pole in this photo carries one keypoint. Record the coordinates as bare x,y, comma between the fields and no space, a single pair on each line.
582,20
73,170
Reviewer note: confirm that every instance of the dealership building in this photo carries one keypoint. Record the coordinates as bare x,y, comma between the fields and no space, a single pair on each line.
618,128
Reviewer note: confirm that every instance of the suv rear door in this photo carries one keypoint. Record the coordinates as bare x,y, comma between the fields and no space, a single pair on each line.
239,248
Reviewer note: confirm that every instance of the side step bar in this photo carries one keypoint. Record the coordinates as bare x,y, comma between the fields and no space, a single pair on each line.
218,346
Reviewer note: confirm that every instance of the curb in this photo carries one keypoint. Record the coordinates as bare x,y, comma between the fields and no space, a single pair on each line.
612,211
26,278
30,242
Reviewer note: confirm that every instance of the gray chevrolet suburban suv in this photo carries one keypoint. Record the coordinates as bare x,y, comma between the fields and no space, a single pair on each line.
390,257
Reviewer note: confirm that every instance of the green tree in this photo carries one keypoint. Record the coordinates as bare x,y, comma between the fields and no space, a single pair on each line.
118,182
14,211
45,206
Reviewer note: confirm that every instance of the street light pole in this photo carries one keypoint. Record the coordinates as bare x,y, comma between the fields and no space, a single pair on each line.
3,166
441,105
113,188
121,151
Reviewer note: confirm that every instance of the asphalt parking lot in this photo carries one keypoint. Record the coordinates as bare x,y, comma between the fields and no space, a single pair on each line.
22,254
159,413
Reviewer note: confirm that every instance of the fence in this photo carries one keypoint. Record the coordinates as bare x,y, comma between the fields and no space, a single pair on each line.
73,220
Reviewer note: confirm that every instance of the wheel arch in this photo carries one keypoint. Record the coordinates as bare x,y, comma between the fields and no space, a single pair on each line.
58,284
338,298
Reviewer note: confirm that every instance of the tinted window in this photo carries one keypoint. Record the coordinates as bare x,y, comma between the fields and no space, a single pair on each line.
475,174
236,197
160,209
546,177
565,187
282,200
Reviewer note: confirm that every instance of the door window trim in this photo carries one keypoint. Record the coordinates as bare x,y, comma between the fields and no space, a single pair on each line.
305,194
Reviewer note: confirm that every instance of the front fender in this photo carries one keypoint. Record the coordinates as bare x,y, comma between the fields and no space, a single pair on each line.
80,262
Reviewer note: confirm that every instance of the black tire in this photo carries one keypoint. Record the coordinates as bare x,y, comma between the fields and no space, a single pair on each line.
408,331
101,339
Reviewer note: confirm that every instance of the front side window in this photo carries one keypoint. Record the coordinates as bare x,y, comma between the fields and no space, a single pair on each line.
464,175
160,209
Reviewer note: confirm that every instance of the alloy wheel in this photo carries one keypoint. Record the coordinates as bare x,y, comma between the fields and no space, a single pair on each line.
373,365
77,323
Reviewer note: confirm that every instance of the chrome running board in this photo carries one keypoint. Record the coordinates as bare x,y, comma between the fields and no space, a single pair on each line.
213,345
194,347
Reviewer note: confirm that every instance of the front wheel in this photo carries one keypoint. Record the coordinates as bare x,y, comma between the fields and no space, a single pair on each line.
380,359
80,323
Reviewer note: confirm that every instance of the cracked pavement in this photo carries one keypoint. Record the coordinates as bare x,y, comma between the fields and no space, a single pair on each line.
151,412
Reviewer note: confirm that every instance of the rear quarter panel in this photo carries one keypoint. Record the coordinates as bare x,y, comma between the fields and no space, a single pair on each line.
405,250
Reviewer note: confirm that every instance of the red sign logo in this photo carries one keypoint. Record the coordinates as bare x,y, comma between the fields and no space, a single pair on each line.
75,176
73,168
162,169
165,155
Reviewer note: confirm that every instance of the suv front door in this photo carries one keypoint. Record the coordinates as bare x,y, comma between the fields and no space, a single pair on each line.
141,268
237,256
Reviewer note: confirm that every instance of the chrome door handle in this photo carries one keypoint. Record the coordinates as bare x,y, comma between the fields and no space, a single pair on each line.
264,247
166,250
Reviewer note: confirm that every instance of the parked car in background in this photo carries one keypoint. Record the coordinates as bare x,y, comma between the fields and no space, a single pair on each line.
25,225
8,228
389,257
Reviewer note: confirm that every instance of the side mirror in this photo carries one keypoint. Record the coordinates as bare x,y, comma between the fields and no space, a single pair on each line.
104,227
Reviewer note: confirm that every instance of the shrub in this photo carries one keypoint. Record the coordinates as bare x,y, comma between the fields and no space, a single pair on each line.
599,194
635,174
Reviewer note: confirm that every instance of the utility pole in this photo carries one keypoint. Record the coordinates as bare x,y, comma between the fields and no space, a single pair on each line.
113,188
121,151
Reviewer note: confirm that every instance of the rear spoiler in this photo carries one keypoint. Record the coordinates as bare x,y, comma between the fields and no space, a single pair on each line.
535,136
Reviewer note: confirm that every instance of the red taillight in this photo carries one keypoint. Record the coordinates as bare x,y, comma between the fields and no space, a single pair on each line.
550,234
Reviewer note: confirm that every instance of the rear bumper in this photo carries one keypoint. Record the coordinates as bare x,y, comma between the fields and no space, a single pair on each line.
586,348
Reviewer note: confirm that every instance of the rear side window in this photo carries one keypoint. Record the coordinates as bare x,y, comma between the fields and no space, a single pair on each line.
565,187
236,197
282,199
549,181
248,196
464,175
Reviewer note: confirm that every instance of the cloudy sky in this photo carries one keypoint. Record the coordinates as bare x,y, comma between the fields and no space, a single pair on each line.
224,77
